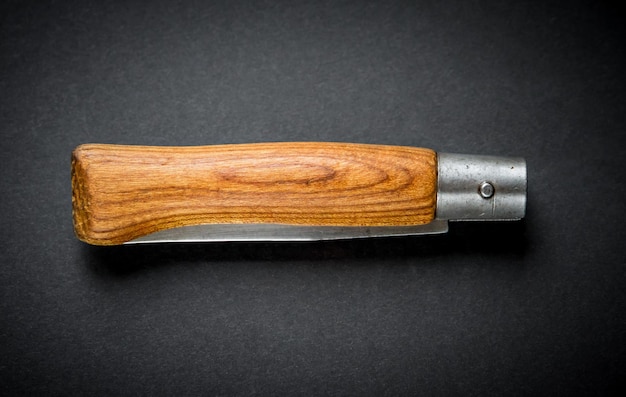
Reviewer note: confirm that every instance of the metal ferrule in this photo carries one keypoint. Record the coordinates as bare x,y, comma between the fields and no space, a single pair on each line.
480,188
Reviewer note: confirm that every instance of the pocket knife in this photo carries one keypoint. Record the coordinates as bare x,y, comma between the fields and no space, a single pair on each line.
285,191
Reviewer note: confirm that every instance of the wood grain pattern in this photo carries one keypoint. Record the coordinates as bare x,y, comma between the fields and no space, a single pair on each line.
124,192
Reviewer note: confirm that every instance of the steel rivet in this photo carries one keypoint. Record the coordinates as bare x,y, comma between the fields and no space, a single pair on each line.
486,190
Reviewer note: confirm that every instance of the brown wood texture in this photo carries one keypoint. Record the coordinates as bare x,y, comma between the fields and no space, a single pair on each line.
124,192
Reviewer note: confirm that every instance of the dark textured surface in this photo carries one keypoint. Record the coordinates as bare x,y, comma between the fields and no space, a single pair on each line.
531,308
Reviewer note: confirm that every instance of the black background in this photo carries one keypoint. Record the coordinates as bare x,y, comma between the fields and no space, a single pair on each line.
535,307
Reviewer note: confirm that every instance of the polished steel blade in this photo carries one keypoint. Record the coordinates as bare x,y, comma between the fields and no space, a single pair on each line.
279,232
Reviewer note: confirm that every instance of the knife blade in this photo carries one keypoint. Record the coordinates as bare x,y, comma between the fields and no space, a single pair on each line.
285,191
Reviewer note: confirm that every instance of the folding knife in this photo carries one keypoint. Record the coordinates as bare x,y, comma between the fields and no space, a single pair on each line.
285,191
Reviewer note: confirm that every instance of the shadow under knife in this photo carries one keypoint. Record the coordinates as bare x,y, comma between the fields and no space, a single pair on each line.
505,241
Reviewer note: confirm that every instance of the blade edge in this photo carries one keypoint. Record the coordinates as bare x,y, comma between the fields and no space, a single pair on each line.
282,232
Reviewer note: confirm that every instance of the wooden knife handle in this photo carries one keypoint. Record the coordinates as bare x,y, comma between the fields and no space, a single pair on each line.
122,192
